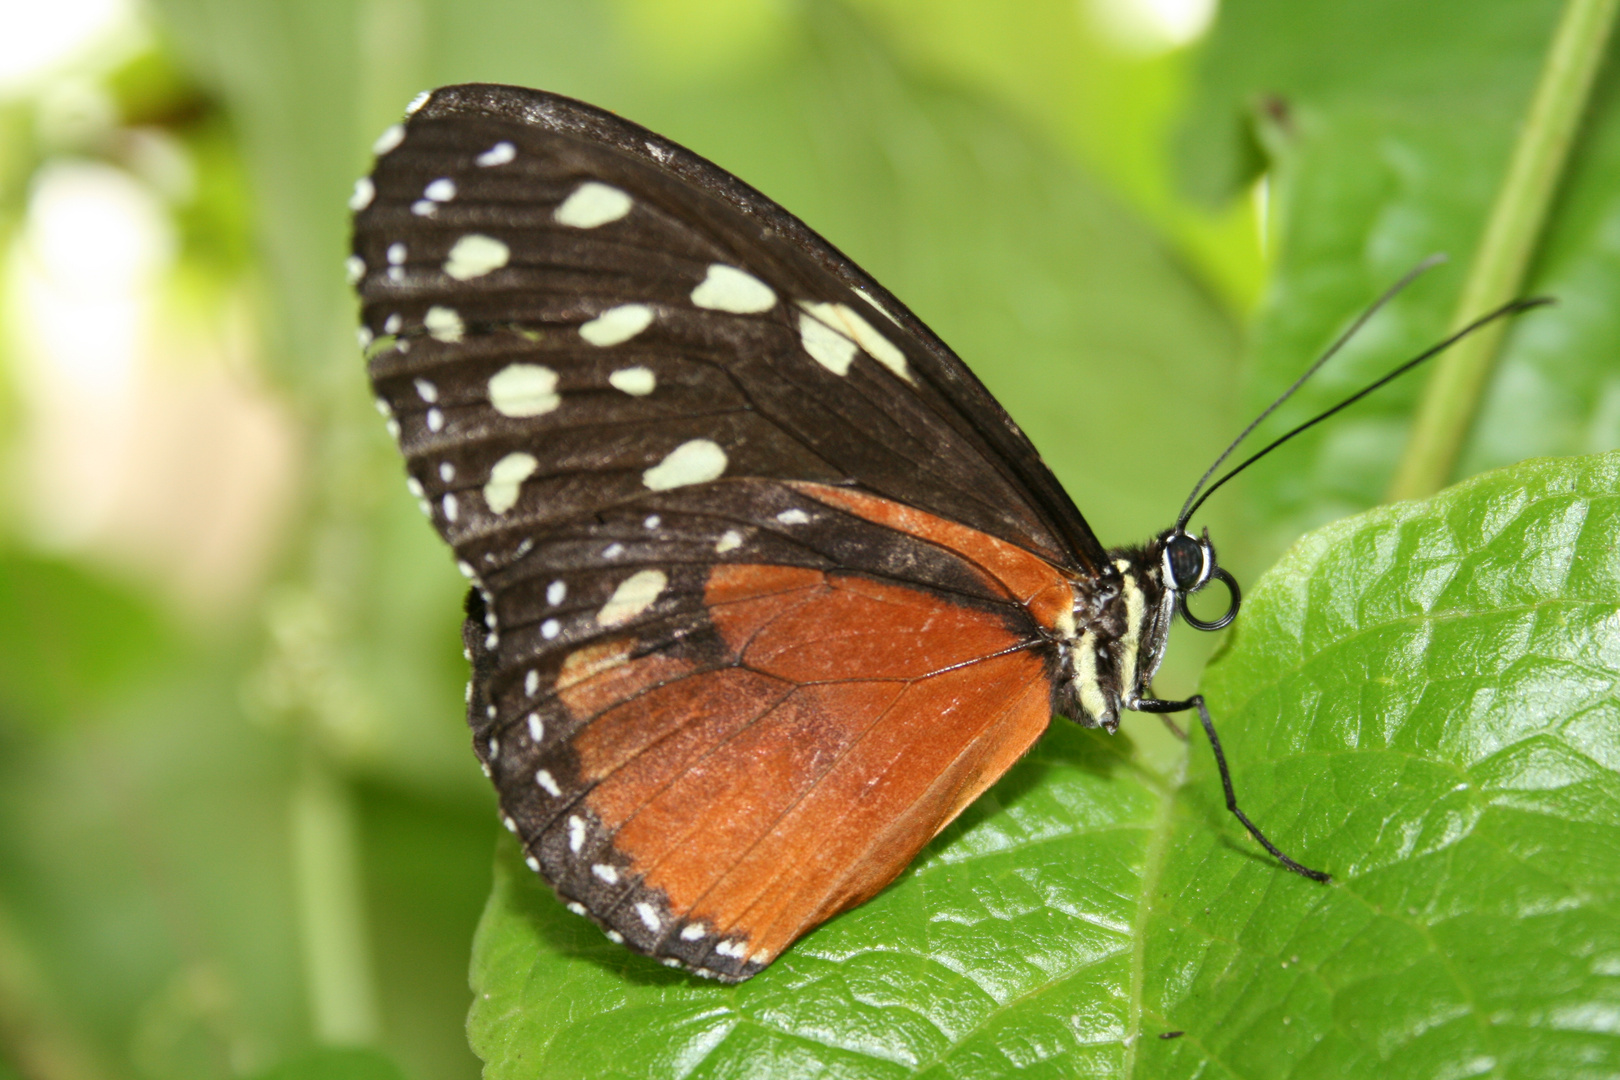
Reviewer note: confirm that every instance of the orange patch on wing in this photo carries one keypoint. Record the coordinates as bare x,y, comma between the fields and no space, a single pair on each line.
693,830
731,584
852,628
872,818
762,799
639,748
595,677
1031,580
763,865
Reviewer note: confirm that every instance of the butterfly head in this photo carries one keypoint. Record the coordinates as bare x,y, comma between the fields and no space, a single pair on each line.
1186,565
1115,653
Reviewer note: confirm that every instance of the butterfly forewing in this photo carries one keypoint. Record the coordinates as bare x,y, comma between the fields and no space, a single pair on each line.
740,528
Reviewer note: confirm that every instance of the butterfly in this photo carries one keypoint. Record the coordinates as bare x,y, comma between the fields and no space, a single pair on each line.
766,587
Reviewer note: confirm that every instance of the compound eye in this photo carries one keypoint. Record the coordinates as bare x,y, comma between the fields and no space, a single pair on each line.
1186,561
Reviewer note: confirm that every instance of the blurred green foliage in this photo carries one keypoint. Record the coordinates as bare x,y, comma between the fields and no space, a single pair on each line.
1076,220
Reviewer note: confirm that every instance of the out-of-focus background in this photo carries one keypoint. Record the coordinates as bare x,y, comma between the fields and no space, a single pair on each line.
238,815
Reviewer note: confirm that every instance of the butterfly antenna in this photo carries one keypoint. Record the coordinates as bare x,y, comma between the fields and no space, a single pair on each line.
1188,507
1513,307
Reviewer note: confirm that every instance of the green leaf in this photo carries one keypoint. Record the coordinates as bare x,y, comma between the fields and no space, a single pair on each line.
1421,699
1426,695
1009,937
1388,126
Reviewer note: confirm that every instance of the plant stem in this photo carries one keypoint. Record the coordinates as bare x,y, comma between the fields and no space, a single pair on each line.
326,854
1452,396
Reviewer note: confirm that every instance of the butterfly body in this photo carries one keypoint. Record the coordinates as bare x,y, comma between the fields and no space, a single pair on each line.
767,587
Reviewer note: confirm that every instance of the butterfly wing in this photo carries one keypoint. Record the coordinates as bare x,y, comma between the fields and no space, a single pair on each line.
766,580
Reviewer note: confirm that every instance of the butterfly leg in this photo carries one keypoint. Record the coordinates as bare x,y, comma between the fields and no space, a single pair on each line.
1153,705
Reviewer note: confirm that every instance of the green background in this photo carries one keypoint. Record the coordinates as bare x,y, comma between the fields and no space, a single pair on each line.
227,843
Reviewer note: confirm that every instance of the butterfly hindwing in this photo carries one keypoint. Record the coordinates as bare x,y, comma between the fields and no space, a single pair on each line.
712,751
765,581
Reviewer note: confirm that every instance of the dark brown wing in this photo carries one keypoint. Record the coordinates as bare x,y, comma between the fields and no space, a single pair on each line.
598,224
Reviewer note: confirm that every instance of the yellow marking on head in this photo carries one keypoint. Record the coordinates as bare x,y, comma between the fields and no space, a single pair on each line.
1091,695
1131,641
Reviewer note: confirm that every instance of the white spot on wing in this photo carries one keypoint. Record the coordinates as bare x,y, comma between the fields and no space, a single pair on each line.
550,629
441,190
499,154
826,346
613,935
864,295
475,255
793,517
730,540
617,324
649,917
849,324
693,931
506,478
555,592
696,461
414,486
451,508
392,324
435,420
537,729
354,268
364,192
591,205
531,684
524,390
396,253
576,907
424,208
606,873
417,102
635,381
547,783
391,137
447,471
726,288
427,391
444,323
576,833
634,595
532,863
